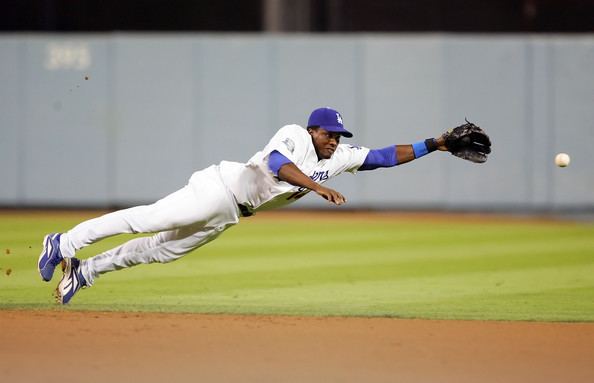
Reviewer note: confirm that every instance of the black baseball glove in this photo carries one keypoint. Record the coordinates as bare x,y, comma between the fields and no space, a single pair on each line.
468,142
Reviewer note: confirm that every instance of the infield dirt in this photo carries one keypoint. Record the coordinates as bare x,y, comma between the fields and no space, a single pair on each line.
68,346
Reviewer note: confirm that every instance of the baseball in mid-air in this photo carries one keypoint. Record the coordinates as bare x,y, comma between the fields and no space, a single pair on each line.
562,160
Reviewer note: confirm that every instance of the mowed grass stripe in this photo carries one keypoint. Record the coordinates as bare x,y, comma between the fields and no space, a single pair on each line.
450,282
425,259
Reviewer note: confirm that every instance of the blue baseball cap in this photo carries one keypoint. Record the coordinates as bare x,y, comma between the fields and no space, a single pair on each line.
328,119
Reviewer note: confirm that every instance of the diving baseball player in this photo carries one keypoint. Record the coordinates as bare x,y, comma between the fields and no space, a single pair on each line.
295,162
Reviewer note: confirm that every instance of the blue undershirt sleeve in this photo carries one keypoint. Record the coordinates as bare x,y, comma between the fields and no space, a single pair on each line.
380,158
276,160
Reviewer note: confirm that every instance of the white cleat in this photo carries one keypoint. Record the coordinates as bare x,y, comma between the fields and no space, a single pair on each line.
71,282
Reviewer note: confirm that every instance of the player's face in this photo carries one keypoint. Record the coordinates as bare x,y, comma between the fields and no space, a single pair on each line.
324,142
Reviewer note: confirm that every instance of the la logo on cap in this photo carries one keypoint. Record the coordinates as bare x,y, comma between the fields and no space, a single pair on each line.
338,118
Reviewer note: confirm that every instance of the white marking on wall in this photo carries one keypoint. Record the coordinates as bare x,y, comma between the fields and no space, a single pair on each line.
67,55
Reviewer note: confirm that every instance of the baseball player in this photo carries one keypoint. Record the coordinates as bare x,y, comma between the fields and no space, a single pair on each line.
295,162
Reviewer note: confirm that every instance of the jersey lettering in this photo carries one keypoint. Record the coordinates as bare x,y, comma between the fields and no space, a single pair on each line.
320,176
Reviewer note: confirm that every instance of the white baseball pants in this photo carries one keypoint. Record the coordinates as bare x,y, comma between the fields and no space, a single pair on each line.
183,221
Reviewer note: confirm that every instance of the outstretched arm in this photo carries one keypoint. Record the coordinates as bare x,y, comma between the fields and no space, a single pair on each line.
467,141
400,154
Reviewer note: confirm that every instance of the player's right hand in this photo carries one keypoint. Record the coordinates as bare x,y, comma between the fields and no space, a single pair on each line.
331,195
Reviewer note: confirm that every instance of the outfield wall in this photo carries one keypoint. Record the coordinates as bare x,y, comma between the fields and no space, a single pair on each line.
156,107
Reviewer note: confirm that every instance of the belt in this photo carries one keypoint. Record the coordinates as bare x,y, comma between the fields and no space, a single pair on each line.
244,210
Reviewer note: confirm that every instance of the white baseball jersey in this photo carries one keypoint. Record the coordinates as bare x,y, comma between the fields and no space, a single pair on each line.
254,185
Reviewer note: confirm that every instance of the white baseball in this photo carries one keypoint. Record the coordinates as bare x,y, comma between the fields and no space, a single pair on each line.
562,160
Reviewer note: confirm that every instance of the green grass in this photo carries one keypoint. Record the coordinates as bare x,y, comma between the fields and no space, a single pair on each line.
421,269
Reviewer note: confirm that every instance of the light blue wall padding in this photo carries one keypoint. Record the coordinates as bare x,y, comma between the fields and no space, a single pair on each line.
156,107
